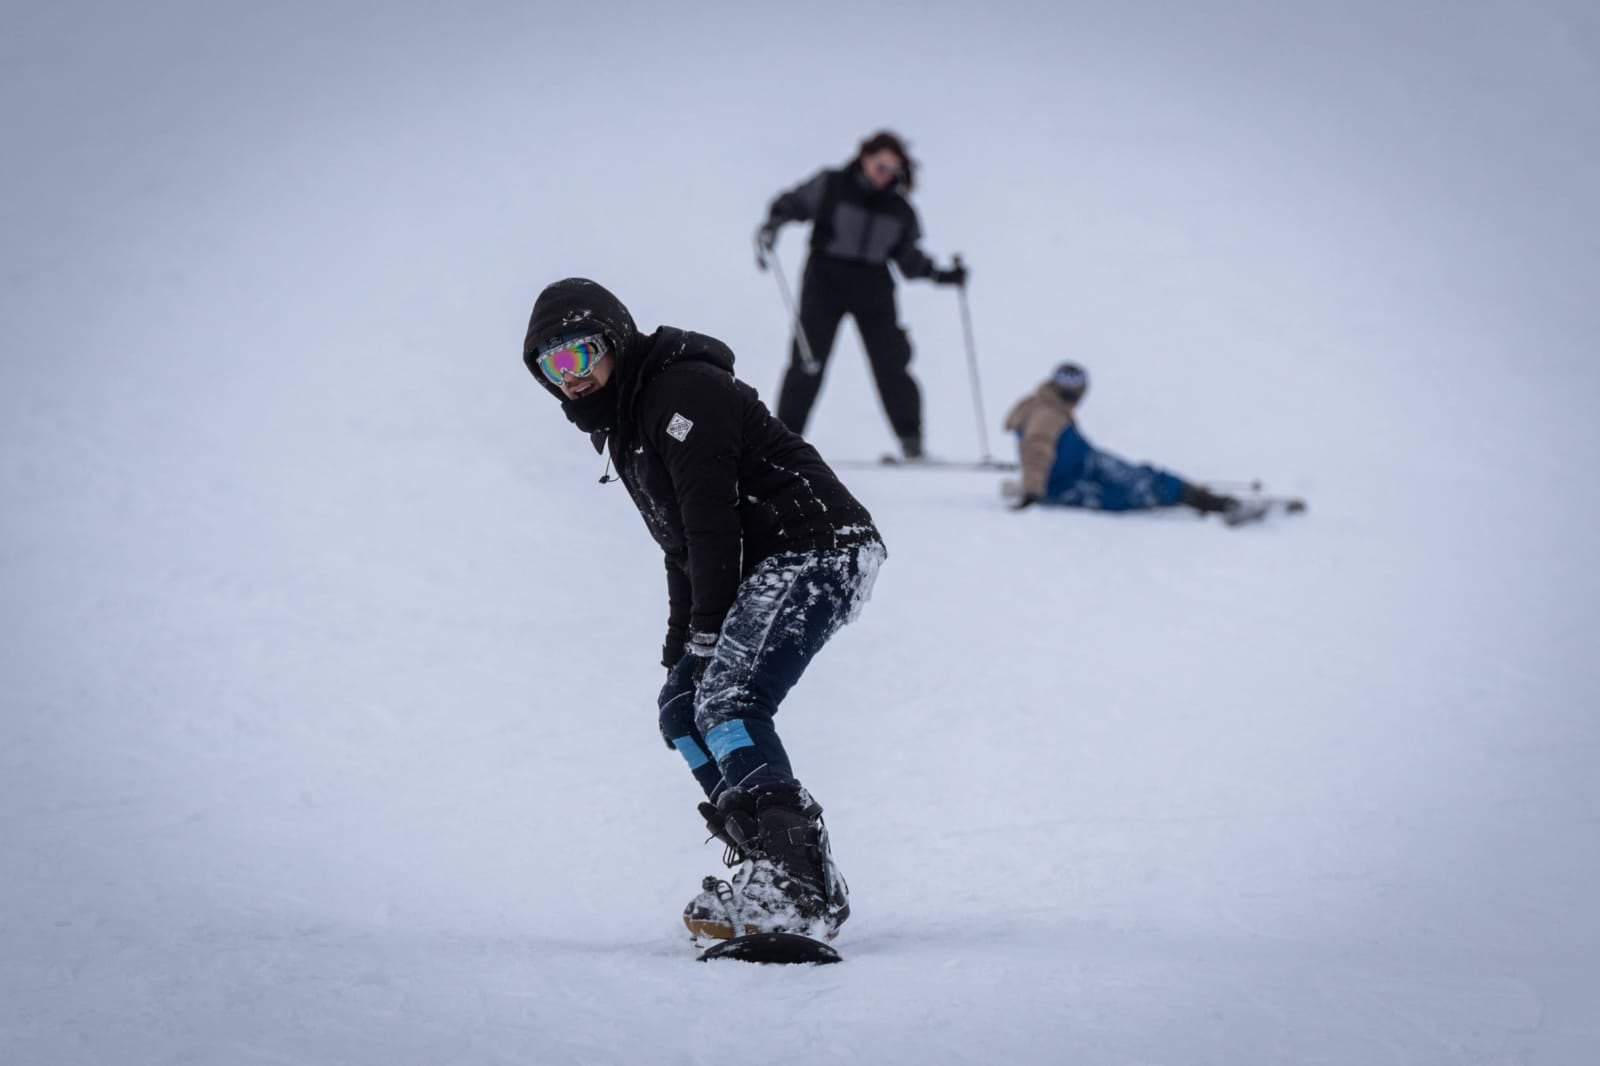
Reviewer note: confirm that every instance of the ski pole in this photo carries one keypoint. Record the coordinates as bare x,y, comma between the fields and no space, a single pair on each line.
808,362
972,366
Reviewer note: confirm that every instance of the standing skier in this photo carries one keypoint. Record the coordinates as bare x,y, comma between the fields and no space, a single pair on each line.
767,556
861,220
1061,467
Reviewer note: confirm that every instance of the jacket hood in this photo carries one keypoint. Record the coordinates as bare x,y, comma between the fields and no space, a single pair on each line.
1044,400
666,347
576,307
1049,396
655,354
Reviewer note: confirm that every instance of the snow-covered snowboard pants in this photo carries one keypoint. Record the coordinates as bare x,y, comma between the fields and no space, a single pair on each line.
786,610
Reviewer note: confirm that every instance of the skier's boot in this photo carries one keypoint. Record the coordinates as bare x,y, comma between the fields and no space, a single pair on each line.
1205,501
911,449
1240,512
785,881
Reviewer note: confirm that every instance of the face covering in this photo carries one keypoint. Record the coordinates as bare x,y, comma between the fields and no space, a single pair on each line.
594,413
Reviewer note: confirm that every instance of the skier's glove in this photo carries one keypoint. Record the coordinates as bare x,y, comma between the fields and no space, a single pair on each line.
955,275
1027,501
766,240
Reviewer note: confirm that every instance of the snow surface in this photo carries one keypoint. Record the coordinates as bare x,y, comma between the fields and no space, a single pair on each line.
328,670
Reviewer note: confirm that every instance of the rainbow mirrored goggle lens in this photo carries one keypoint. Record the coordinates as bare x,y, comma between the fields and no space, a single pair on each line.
575,358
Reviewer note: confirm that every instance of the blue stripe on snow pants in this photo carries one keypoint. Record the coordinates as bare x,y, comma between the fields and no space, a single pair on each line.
677,724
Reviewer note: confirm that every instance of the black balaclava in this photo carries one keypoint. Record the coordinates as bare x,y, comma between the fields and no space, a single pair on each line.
577,307
595,413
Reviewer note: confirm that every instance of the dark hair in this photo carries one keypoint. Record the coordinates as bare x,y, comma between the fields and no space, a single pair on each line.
891,140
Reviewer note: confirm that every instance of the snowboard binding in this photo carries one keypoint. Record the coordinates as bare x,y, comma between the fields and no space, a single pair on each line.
784,879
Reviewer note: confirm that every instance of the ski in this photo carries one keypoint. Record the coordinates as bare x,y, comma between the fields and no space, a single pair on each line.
1256,508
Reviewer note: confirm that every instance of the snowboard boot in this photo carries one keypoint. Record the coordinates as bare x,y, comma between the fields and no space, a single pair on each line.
785,880
718,830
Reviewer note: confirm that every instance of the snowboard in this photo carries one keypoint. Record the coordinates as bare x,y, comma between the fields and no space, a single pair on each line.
780,948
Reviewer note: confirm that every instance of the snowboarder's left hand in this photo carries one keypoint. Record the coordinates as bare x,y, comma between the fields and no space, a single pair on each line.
953,275
1028,500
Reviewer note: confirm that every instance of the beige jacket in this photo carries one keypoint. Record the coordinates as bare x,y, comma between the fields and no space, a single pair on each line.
1041,417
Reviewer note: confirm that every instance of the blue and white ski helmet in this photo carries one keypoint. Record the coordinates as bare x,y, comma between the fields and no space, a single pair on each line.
1071,381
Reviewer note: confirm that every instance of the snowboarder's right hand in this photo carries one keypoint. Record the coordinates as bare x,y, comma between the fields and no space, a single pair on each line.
672,647
766,240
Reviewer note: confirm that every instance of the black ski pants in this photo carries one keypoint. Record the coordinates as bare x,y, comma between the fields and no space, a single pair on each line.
831,289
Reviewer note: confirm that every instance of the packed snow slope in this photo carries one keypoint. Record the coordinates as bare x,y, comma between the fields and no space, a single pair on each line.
328,670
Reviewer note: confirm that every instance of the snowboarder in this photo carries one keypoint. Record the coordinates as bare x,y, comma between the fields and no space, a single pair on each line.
1061,467
767,556
861,220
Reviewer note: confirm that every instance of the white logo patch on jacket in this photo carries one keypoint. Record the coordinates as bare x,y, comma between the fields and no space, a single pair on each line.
679,427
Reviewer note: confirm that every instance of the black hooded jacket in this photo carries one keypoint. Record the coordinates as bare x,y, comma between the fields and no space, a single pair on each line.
721,484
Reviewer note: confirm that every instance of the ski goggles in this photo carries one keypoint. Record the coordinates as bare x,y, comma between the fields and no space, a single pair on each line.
886,171
572,358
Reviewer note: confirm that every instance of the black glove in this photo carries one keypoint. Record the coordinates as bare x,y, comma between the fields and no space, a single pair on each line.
953,275
1028,500
766,240
672,647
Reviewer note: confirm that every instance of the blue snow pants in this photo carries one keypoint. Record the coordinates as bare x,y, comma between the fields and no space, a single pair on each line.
786,609
1085,476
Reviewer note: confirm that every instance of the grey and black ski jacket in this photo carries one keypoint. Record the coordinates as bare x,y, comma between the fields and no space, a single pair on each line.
853,221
